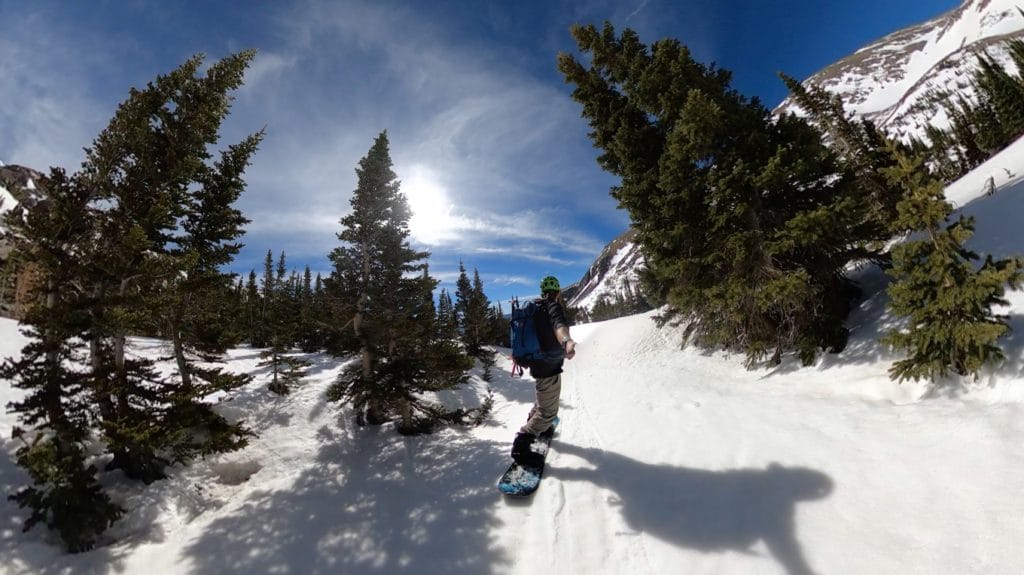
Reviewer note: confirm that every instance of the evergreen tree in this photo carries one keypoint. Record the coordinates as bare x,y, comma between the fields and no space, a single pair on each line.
320,312
746,223
463,295
339,302
400,356
169,226
947,302
861,150
54,416
253,317
447,322
499,327
474,327
1005,95
979,128
280,311
309,333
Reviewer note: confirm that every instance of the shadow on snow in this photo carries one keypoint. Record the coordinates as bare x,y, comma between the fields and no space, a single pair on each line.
708,511
374,503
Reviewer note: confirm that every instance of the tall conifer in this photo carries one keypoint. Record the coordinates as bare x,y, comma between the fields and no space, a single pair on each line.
169,226
399,357
54,418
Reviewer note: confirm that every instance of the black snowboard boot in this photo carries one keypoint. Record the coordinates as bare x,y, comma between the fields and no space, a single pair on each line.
521,452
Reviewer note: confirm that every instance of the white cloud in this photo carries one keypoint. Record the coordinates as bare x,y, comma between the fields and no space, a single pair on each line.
474,140
486,151
267,66
49,111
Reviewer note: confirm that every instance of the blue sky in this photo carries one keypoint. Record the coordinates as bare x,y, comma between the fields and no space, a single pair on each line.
488,144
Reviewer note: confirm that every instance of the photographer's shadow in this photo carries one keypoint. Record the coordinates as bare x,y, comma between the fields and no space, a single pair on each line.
710,511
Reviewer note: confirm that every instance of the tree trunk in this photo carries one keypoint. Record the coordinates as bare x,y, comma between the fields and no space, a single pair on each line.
102,386
375,412
405,411
120,369
174,327
53,385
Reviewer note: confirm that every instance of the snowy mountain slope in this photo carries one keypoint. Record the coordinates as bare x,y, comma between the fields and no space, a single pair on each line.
888,80
17,184
618,263
7,201
668,461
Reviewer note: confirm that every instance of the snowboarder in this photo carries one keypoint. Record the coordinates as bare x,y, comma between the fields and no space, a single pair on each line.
553,333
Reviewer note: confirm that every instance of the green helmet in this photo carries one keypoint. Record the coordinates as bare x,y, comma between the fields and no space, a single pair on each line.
549,283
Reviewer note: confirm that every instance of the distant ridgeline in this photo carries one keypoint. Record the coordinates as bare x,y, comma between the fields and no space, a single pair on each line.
948,85
611,287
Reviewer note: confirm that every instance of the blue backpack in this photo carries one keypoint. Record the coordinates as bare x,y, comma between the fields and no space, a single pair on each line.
526,349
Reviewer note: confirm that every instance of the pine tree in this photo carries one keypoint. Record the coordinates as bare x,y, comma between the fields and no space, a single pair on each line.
1005,94
320,311
746,223
55,416
861,149
447,322
169,226
947,302
308,332
281,302
499,327
474,327
463,295
980,128
253,307
399,354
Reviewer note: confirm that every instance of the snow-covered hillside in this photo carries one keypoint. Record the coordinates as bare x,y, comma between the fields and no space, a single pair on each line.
7,201
667,461
888,80
618,264
17,182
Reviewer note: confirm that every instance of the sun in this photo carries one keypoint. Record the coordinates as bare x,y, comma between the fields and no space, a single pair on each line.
431,221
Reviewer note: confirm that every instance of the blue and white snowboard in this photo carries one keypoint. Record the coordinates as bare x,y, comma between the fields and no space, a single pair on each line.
522,480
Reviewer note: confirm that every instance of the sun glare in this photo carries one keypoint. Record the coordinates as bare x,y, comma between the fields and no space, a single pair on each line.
431,221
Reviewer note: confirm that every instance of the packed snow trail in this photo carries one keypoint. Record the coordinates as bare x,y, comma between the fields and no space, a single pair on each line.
678,461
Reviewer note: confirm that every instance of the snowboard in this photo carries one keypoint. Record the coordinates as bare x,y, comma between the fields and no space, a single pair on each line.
522,480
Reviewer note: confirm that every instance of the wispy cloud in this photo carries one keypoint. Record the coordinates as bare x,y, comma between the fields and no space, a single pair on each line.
481,147
492,156
49,110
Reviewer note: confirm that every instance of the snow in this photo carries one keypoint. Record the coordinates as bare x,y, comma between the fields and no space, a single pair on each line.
667,460
7,201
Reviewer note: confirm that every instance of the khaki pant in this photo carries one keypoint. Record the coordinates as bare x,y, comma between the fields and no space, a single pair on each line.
545,408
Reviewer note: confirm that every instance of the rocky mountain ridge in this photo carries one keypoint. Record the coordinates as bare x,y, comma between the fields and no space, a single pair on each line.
894,81
619,262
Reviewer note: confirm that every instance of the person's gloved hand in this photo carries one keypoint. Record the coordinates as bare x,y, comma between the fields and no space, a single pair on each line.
570,349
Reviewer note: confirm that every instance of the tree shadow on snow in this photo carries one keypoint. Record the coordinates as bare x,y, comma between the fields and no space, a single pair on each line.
397,505
709,511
